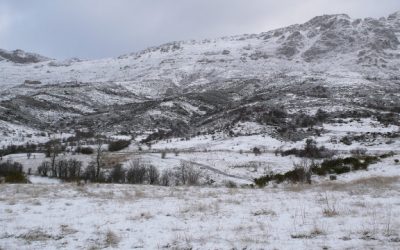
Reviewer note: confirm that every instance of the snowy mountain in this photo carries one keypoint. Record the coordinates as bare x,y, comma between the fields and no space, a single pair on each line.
331,62
22,57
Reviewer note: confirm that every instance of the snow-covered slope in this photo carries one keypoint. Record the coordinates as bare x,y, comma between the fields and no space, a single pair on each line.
334,53
21,57
333,44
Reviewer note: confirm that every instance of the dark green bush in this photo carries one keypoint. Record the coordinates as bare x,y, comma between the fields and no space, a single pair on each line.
346,140
12,172
302,173
256,151
310,150
383,156
16,178
16,149
263,180
117,174
85,150
341,166
118,145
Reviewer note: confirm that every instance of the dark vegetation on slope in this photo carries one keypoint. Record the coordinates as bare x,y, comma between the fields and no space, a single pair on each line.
302,173
12,172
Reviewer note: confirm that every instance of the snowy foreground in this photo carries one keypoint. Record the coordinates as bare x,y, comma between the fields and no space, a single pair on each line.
355,214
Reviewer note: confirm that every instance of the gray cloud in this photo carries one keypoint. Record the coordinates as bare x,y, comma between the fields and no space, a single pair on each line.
104,28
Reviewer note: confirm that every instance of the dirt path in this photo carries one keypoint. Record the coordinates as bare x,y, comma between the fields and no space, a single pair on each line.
217,171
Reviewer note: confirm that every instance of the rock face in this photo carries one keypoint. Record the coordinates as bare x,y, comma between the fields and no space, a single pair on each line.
20,56
331,61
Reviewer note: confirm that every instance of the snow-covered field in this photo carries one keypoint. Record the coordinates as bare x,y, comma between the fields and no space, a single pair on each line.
221,157
360,210
357,214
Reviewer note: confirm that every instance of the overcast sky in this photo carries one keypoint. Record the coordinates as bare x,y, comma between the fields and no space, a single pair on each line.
108,28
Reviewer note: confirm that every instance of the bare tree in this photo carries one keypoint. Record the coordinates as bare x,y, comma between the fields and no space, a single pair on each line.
99,158
166,176
90,172
53,148
44,168
136,173
193,176
62,166
117,174
183,171
153,175
74,168
187,174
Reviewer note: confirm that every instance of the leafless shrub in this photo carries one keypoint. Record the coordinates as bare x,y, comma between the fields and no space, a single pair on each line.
137,172
36,235
166,178
90,172
67,169
117,174
74,168
388,223
188,175
329,209
230,184
193,176
153,175
358,152
44,168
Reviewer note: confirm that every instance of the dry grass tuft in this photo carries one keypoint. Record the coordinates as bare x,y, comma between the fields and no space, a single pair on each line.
376,183
140,194
111,159
329,209
264,212
67,230
111,239
36,235
312,234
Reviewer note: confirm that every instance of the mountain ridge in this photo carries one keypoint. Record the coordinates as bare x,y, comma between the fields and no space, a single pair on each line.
317,20
338,60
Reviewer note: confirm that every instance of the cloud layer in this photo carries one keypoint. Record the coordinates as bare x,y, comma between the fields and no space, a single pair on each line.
108,28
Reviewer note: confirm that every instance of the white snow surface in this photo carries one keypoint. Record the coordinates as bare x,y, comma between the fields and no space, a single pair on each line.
357,214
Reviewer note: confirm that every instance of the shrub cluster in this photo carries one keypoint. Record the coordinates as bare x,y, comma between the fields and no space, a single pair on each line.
137,172
118,145
278,116
12,172
64,169
310,150
158,135
84,150
302,172
16,149
343,165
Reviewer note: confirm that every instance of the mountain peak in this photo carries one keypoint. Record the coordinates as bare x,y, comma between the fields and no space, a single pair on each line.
20,56
394,16
327,21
